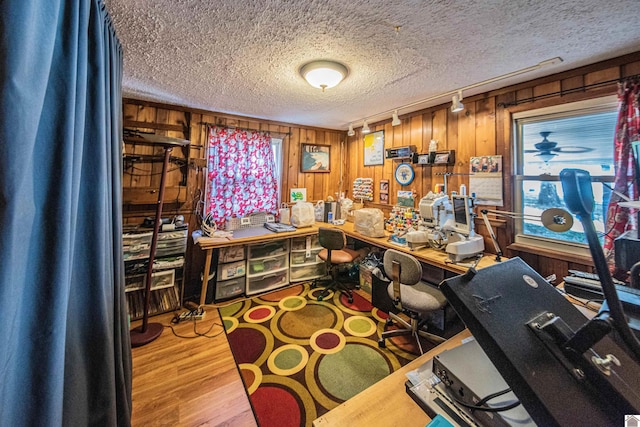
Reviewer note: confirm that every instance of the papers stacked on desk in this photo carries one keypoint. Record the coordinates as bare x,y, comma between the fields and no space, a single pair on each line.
278,227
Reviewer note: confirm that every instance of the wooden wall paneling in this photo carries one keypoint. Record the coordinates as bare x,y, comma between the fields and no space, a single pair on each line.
439,132
423,173
546,88
571,83
631,69
466,144
321,188
141,172
611,73
294,177
425,120
504,146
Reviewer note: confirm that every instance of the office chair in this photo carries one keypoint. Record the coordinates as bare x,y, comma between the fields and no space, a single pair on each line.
411,296
334,253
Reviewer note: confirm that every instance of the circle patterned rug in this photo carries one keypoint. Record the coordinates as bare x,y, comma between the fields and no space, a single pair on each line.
300,357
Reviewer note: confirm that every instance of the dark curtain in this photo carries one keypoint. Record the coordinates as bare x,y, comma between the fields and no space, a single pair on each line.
65,357
619,220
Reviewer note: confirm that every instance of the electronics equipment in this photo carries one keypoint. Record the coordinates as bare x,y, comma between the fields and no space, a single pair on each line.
564,369
435,210
462,241
627,249
467,377
400,152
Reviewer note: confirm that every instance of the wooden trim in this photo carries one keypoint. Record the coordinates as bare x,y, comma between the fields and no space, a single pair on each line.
548,253
154,125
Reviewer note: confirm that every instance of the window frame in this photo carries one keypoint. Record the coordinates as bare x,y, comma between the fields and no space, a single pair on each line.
594,105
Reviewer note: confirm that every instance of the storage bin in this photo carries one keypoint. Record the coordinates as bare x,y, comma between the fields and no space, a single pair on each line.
136,245
230,288
231,270
171,242
159,280
231,254
267,282
300,257
266,265
308,272
268,249
300,243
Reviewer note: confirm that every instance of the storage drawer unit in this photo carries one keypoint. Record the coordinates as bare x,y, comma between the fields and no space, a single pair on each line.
136,245
230,288
171,242
307,271
267,282
300,257
231,270
231,254
269,249
300,243
266,265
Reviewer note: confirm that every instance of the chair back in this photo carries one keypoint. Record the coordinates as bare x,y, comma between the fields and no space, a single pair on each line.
403,269
332,239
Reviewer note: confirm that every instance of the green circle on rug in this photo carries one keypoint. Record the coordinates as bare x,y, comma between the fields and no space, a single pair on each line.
337,375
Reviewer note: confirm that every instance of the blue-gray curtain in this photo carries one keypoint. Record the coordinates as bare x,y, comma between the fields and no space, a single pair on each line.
65,357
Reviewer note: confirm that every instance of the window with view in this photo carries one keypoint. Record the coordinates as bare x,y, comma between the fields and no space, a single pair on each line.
577,135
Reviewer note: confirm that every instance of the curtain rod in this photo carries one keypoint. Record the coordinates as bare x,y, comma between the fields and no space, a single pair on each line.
248,129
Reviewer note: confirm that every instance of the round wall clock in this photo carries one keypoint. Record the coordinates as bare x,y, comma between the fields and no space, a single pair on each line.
404,174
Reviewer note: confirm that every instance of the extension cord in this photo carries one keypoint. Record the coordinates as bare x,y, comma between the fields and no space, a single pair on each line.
197,314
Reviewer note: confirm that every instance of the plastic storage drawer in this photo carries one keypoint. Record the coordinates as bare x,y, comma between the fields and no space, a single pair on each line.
171,242
300,243
268,249
300,257
267,282
307,272
136,245
230,288
266,265
231,254
231,270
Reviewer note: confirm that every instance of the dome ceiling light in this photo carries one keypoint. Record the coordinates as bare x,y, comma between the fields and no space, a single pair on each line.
323,74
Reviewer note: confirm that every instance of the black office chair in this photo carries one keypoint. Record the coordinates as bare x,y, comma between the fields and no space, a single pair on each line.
334,253
411,296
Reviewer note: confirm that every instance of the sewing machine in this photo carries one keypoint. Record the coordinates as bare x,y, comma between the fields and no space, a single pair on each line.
462,241
435,210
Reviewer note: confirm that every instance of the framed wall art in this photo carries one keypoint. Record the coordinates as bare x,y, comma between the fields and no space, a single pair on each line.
374,148
315,158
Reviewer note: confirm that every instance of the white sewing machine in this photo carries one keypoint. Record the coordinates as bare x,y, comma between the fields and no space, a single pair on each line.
462,241
435,210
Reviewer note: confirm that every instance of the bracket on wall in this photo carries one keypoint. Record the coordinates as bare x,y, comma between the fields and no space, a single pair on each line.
435,158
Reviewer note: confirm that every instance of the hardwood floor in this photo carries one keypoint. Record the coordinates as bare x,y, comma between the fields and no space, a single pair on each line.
188,381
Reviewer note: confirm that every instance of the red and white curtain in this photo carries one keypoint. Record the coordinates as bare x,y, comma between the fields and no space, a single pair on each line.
620,220
241,176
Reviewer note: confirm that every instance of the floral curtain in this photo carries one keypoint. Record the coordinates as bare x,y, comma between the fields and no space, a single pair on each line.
620,220
241,176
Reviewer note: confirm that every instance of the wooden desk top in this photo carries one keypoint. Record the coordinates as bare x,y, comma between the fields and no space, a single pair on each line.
217,242
386,403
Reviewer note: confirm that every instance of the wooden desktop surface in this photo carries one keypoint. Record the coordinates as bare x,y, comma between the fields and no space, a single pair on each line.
386,403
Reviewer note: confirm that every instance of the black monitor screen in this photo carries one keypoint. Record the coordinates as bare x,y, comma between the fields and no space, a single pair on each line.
460,210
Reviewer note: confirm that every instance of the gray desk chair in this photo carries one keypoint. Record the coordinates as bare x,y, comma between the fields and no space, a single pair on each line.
334,253
413,297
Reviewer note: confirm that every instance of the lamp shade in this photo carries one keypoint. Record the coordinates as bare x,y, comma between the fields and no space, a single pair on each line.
365,127
323,74
456,105
351,132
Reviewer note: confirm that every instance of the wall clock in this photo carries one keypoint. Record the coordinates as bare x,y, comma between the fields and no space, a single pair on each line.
404,174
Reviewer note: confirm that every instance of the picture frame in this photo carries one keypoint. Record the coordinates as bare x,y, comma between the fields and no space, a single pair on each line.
374,148
315,158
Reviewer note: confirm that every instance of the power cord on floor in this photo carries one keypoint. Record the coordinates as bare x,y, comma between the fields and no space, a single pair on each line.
197,334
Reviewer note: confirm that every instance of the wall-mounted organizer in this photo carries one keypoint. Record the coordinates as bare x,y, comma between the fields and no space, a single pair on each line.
363,189
400,152
435,158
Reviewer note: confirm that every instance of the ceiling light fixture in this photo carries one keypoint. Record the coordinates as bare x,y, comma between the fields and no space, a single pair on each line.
351,132
323,74
395,120
548,62
456,105
365,127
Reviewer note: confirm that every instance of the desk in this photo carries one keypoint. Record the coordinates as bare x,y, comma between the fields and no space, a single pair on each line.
429,256
386,403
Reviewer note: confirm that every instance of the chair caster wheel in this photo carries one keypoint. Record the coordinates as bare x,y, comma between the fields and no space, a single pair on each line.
320,298
381,343
388,322
350,300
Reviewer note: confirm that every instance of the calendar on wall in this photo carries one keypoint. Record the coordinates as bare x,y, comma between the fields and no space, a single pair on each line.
485,180
363,189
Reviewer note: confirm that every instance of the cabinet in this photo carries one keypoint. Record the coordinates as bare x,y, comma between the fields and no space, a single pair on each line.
304,261
168,268
267,265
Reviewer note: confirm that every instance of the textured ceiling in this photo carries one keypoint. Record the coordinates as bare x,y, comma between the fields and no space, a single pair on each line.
242,57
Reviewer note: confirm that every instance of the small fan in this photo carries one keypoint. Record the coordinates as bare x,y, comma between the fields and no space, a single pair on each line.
547,149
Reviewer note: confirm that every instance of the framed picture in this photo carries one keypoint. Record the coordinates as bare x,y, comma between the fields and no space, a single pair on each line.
374,148
315,158
298,195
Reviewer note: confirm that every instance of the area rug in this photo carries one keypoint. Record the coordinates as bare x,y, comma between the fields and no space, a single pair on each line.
300,357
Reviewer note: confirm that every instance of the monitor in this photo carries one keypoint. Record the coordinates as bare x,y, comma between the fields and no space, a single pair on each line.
461,213
511,311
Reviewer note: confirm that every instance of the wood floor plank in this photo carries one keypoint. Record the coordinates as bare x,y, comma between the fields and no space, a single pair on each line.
188,382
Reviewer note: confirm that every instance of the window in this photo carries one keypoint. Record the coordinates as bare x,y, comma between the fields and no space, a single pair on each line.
578,135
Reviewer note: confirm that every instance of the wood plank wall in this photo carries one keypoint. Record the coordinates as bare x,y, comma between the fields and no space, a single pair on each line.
483,128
